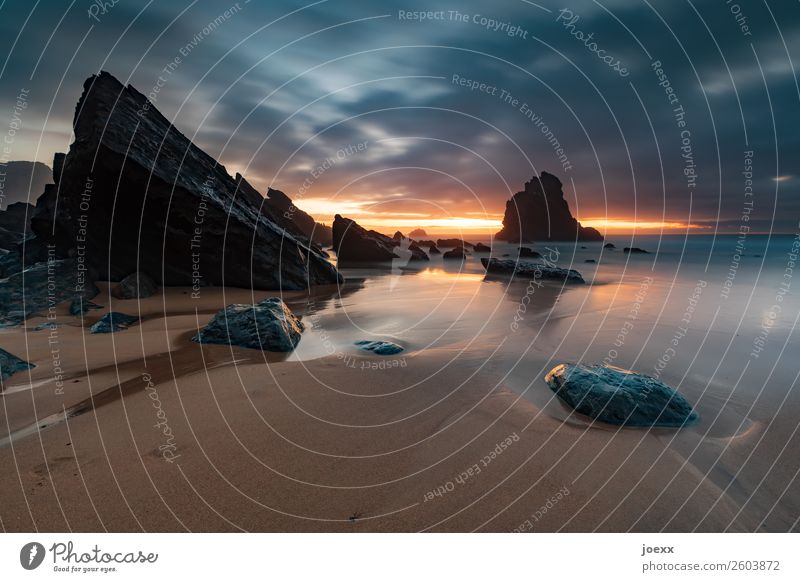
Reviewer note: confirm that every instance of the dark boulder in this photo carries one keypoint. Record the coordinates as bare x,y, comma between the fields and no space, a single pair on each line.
113,322
540,212
41,286
16,218
433,250
482,248
589,261
417,254
619,397
635,251
398,237
297,222
456,253
11,364
609,246
381,348
135,286
269,325
354,244
426,243
527,253
143,197
531,270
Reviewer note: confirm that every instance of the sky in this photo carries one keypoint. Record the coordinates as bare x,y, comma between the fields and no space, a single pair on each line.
661,116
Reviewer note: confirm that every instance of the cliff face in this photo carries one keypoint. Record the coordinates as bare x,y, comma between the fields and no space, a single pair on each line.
134,194
540,213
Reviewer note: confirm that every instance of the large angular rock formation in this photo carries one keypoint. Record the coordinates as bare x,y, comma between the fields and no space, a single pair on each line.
291,217
540,213
354,243
133,193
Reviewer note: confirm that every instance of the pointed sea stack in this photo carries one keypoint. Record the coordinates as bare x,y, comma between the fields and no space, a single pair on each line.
540,213
355,244
134,193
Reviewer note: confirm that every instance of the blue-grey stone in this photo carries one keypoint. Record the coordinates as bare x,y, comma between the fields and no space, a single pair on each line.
269,325
112,322
11,364
531,270
47,325
620,397
381,348
79,306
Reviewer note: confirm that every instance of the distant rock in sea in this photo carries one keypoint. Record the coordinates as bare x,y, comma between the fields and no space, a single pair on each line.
143,197
269,325
452,243
540,212
113,322
135,286
609,246
635,251
381,348
589,261
434,250
298,223
355,244
531,270
482,248
417,232
619,397
23,181
11,364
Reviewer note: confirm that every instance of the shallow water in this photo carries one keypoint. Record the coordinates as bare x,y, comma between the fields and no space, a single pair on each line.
710,319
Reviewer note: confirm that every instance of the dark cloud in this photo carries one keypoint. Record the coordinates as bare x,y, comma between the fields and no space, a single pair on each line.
274,94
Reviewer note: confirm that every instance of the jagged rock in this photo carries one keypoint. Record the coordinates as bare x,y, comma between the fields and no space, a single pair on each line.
531,270
417,254
79,306
417,232
426,243
296,221
540,213
609,246
112,322
381,348
353,243
456,253
45,284
453,243
149,199
23,181
398,236
527,253
269,325
135,286
635,251
482,248
11,364
433,250
620,397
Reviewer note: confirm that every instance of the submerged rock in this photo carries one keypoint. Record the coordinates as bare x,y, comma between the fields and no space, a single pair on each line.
354,243
456,253
609,246
161,205
112,322
135,286
269,325
531,270
589,261
635,251
11,364
620,397
540,213
381,348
